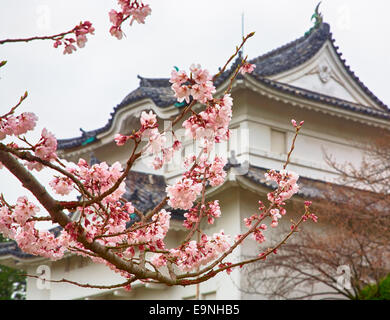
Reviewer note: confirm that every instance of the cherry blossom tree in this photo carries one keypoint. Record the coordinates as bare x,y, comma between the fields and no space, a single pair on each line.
102,231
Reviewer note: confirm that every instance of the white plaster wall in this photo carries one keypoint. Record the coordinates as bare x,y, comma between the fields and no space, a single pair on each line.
330,88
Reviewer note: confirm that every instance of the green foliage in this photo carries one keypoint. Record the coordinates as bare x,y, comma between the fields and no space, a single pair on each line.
12,283
372,292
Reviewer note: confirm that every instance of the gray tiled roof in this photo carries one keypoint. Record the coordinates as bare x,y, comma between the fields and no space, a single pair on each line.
291,54
11,248
301,50
276,61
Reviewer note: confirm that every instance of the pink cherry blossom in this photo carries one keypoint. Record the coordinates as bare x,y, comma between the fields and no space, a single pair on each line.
139,14
69,48
148,120
247,68
158,260
24,210
287,185
214,211
47,146
120,139
80,33
183,194
129,9
200,86
182,92
26,122
33,165
193,254
6,222
156,143
19,125
116,32
81,40
115,17
178,77
62,185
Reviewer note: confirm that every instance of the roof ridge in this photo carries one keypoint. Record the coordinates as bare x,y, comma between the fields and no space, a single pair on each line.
291,43
153,82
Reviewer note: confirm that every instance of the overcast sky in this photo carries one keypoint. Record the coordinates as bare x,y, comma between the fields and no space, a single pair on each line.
75,91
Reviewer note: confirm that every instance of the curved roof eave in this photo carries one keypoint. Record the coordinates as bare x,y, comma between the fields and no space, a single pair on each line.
274,62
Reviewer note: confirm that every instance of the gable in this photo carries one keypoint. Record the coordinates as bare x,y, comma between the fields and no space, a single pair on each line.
325,73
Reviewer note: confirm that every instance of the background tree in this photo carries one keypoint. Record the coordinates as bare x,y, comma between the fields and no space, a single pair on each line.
12,282
348,256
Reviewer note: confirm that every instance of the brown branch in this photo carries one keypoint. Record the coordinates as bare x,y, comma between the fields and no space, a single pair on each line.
17,105
232,57
57,36
85,285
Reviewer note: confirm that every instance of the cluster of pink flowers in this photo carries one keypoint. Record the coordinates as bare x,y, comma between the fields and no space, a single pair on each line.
275,214
198,85
216,174
214,211
129,9
192,216
185,191
6,221
226,264
211,124
80,31
194,254
46,147
287,185
167,154
154,232
155,140
41,243
311,216
257,235
211,210
98,178
24,210
116,215
112,221
15,224
286,188
308,214
17,125
247,68
62,185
